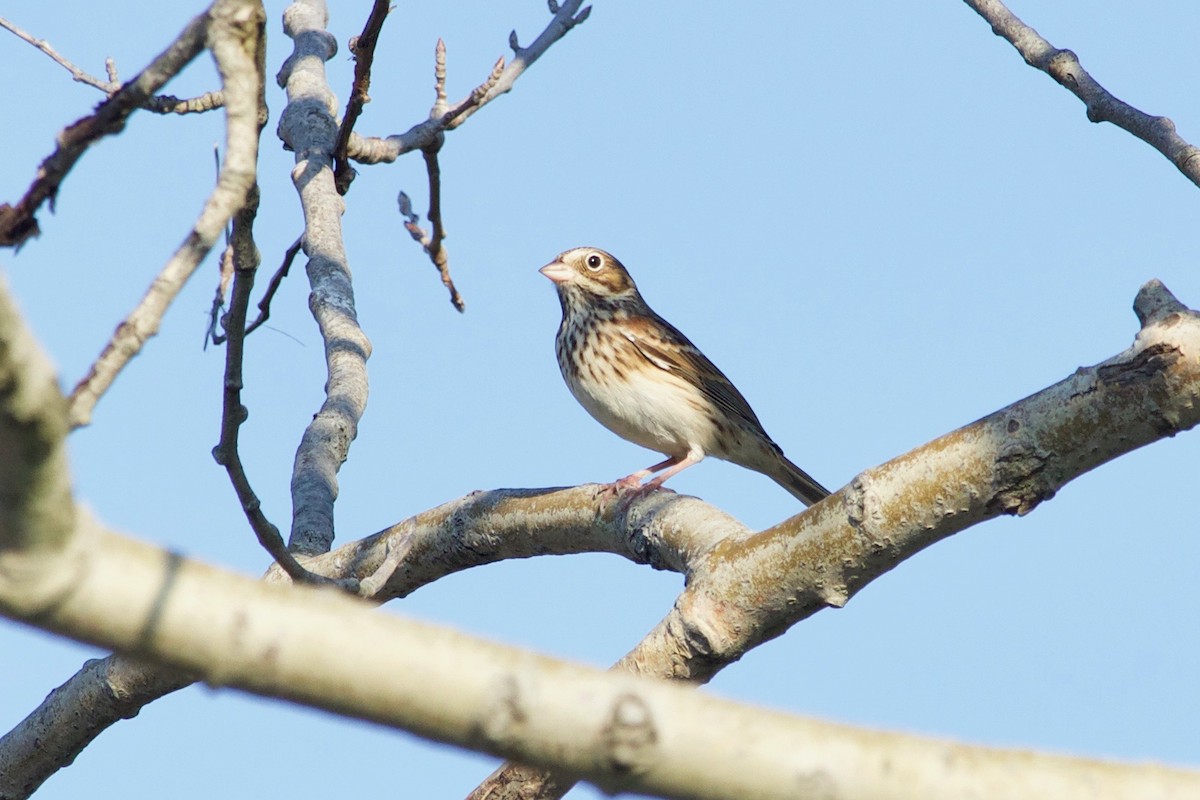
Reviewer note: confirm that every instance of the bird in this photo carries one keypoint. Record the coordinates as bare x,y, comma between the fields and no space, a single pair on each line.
638,376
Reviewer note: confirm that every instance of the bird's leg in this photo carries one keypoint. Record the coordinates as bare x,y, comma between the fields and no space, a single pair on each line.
672,466
676,465
635,480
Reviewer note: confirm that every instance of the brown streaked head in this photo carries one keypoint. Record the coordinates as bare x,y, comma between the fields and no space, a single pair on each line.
590,270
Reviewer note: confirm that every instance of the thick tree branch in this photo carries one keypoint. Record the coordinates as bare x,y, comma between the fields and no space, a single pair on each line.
233,29
747,590
307,127
64,572
762,583
102,692
1102,106
622,732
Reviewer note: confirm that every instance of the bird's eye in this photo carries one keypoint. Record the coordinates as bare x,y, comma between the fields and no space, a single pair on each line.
594,261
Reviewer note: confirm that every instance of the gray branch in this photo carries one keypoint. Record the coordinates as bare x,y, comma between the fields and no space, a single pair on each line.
308,127
1102,106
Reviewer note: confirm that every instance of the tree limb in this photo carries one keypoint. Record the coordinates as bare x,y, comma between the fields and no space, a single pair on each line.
1102,106
744,588
362,47
1005,463
245,259
307,127
104,691
623,733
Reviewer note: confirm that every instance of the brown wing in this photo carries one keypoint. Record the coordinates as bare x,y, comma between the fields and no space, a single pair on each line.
664,346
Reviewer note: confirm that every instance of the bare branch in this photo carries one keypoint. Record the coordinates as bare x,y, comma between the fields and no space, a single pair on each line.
159,104
499,81
763,583
78,74
17,223
110,689
264,305
308,128
621,732
432,243
362,47
1102,106
245,259
1006,463
170,104
233,29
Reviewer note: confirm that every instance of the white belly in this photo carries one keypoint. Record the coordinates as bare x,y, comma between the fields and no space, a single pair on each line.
654,410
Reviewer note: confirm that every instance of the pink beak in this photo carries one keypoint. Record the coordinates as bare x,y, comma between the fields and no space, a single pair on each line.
556,271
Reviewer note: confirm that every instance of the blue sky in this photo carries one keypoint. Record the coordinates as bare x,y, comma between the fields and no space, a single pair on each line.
879,222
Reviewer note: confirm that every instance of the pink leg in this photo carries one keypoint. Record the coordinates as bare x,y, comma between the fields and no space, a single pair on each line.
673,466
630,481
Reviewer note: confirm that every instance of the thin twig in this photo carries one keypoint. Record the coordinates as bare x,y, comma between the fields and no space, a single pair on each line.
438,256
264,305
160,104
41,44
1102,106
437,250
234,35
363,49
18,223
226,267
374,150
433,242
212,334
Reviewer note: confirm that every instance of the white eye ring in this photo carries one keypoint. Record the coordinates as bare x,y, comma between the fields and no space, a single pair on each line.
594,261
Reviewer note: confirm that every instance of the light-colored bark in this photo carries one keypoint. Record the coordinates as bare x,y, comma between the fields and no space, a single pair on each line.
324,649
321,648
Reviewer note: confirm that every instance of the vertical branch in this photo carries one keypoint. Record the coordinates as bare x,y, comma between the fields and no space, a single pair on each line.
245,259
308,128
432,243
362,47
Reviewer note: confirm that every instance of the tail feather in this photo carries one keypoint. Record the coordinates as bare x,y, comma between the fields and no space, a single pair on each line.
798,482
